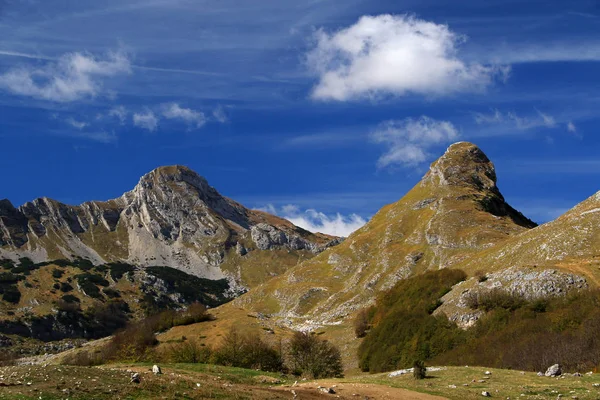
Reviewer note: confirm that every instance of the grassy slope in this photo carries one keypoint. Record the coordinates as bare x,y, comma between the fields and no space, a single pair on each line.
180,381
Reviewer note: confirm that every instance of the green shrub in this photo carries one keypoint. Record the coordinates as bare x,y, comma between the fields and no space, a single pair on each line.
192,288
69,298
403,329
57,273
314,357
65,287
11,294
419,370
495,298
89,284
117,270
111,293
188,351
245,351
7,264
361,323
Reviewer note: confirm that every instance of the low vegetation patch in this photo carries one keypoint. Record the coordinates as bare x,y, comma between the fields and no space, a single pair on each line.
514,333
403,329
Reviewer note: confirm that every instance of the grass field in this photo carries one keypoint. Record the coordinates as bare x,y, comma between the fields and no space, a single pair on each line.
199,381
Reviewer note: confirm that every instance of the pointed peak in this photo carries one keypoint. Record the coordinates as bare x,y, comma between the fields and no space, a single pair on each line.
174,173
463,164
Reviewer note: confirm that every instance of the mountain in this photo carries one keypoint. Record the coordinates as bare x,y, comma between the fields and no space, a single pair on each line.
553,259
173,218
455,211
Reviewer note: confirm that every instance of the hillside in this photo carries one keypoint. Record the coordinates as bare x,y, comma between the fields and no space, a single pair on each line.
455,211
549,260
173,218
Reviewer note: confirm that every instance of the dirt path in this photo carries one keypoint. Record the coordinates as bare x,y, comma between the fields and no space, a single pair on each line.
361,391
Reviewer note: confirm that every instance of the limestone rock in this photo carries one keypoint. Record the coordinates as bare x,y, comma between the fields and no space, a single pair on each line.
554,370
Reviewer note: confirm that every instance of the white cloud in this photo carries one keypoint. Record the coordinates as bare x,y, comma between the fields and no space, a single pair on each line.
119,112
410,139
314,221
571,127
189,116
220,115
395,55
146,120
540,120
72,77
76,124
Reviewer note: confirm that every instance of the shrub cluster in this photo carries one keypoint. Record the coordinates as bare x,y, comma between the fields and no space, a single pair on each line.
403,329
309,355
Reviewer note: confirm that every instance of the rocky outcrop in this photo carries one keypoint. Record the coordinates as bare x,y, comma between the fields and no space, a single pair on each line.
524,283
173,217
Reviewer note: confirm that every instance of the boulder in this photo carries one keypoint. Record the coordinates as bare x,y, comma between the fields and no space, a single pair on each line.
156,370
135,378
486,394
554,370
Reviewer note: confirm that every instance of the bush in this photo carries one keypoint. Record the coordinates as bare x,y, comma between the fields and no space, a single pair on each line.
57,273
419,370
69,298
492,299
132,344
189,352
117,270
65,287
7,264
192,288
245,351
111,293
361,323
314,357
11,294
89,284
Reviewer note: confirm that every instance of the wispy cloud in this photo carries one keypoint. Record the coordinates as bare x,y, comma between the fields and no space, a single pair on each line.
315,221
76,124
394,55
120,112
565,51
409,140
72,77
146,120
191,117
510,120
220,115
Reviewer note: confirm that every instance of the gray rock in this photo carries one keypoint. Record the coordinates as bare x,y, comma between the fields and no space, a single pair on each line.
156,370
554,370
486,394
135,378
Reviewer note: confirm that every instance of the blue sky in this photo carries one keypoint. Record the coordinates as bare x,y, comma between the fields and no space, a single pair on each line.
332,106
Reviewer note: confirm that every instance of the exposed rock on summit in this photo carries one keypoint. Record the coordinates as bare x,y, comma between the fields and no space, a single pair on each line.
456,210
172,217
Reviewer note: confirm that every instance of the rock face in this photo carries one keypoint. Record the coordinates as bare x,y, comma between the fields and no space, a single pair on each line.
455,211
173,217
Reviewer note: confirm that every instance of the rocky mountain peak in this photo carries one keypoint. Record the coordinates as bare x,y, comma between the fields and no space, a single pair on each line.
463,164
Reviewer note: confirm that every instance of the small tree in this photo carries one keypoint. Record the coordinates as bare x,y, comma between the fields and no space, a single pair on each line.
314,357
419,370
361,323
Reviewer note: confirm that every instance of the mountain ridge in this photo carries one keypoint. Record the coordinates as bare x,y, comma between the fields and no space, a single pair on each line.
454,211
172,217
